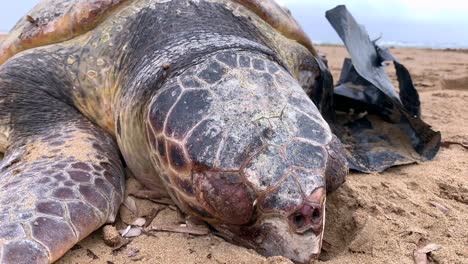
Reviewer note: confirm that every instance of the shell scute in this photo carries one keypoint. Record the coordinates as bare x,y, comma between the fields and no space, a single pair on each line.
161,106
285,199
190,109
203,143
177,158
213,73
307,156
229,58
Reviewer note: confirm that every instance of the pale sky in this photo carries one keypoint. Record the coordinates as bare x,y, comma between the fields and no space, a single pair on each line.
434,23
12,10
422,10
429,22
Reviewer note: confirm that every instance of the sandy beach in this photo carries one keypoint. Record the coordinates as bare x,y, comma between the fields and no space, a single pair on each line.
372,218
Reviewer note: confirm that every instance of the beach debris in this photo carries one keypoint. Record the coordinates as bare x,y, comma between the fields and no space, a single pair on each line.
130,204
123,232
439,206
183,228
133,232
135,229
391,131
133,252
130,232
154,212
385,184
157,196
164,201
422,253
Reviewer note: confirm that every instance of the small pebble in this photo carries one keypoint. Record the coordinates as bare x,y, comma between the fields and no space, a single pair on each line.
111,236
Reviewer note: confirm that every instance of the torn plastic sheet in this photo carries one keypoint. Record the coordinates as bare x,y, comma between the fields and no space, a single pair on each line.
379,127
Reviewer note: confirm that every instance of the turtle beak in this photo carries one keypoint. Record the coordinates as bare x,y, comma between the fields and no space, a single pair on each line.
299,236
301,246
274,236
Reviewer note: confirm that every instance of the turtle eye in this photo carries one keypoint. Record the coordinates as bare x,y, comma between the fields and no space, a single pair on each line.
255,213
307,79
307,74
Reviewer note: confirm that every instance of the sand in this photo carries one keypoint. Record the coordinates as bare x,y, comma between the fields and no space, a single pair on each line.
372,218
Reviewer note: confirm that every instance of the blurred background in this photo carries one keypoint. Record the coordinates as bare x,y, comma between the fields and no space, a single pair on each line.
409,23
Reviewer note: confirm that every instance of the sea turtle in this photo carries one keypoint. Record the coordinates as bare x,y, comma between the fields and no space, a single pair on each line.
205,100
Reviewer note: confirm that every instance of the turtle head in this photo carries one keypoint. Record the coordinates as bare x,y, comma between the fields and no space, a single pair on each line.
281,199
240,145
296,235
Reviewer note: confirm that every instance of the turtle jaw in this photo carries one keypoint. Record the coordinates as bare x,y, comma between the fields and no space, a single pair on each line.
273,236
299,237
282,241
278,234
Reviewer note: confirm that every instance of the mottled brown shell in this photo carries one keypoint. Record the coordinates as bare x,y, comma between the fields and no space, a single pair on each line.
53,21
280,19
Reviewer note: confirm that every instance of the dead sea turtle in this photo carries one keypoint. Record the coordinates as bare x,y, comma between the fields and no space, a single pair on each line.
201,99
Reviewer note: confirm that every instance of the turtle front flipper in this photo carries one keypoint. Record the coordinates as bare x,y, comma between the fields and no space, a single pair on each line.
60,180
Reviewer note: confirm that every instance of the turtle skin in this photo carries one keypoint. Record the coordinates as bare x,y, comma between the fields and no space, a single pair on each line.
202,99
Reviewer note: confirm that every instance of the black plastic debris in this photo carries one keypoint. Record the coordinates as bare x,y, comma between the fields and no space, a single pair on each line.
324,92
379,127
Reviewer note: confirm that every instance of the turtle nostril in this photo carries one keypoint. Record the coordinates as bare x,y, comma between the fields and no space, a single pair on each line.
299,220
315,216
308,217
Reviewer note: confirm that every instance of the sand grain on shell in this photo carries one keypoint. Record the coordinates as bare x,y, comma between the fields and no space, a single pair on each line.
373,218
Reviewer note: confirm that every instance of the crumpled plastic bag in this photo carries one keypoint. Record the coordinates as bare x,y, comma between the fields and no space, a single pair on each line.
378,127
